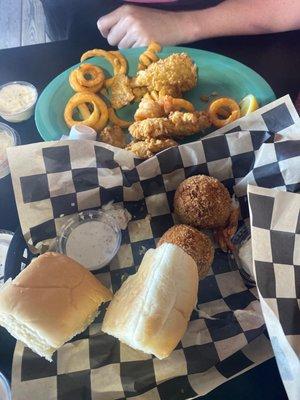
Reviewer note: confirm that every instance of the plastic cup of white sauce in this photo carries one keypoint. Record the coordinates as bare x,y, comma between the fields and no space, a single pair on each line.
8,138
17,101
91,237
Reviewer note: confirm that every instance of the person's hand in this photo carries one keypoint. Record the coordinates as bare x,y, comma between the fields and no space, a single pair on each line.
134,26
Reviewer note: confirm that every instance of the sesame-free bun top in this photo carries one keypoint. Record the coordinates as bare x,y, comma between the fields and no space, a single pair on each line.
50,301
203,202
195,243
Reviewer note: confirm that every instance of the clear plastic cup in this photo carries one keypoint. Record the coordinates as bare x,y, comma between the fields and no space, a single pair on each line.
5,392
91,237
8,138
26,111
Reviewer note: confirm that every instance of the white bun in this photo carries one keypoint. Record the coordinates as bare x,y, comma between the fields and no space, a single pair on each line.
151,310
49,302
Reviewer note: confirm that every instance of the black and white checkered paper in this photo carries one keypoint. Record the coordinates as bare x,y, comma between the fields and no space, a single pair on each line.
275,223
225,336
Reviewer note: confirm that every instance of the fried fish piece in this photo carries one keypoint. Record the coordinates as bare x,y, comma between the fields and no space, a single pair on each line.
121,91
188,123
147,148
177,71
177,124
113,135
151,128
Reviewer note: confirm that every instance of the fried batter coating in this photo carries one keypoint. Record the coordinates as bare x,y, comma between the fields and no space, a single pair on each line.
148,108
186,123
114,136
147,148
195,243
177,70
151,128
203,202
178,124
121,91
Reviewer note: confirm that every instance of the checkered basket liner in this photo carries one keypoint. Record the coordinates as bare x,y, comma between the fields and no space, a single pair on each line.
226,335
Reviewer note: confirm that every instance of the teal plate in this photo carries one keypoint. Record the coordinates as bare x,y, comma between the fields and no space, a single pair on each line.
216,73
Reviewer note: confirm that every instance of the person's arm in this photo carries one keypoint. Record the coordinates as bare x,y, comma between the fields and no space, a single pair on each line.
133,26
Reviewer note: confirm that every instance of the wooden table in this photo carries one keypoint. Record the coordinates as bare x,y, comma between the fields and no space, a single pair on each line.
275,57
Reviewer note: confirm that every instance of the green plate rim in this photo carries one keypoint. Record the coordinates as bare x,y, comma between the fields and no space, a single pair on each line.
230,62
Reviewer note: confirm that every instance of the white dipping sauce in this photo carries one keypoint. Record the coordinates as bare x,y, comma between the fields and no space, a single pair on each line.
92,244
17,102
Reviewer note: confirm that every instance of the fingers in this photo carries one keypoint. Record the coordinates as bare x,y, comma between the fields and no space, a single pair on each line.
106,22
127,42
116,34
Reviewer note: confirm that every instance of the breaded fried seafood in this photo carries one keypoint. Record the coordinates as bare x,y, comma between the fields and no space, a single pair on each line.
195,243
121,91
203,202
113,135
147,148
177,70
177,124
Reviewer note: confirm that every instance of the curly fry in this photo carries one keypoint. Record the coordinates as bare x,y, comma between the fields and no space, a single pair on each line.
77,87
74,102
171,104
97,75
116,120
149,55
217,107
122,67
98,118
102,53
84,111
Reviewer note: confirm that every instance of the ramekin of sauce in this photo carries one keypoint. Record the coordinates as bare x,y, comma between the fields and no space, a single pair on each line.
8,138
91,237
17,101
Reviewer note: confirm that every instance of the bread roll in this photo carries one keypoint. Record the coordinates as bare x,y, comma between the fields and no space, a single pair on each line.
49,302
151,310
195,243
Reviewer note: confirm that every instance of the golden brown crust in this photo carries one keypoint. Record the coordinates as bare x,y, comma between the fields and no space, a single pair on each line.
195,243
203,202
121,91
113,135
148,148
177,124
177,70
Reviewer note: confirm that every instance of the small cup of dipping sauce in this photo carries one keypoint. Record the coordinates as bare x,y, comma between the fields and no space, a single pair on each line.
8,138
91,237
17,101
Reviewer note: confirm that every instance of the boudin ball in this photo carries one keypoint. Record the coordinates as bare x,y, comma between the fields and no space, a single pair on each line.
194,243
203,202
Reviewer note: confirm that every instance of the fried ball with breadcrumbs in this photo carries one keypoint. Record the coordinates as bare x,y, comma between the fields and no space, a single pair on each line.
203,202
195,243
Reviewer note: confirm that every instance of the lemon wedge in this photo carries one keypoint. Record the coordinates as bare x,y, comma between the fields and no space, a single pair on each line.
248,105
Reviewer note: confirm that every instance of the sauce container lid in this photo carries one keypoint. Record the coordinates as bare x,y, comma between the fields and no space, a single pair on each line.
6,130
91,237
